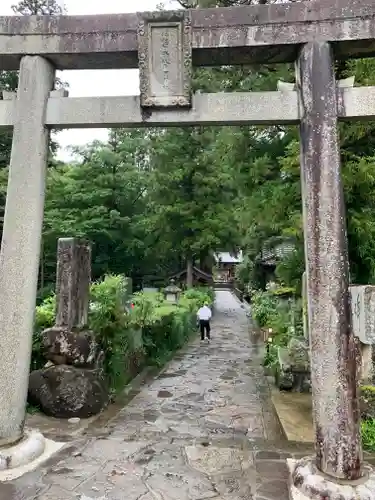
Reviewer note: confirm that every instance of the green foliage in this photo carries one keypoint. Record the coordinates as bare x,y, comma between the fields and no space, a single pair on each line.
367,405
282,318
9,82
130,337
194,298
171,326
109,319
104,198
143,313
263,307
368,434
192,197
165,326
44,318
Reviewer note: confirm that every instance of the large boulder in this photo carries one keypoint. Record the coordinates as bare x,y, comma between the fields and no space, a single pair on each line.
65,347
65,391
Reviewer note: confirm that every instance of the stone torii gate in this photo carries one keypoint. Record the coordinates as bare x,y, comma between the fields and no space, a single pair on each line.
165,46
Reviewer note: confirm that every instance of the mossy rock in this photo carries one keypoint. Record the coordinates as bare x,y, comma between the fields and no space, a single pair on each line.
283,358
367,401
284,380
299,355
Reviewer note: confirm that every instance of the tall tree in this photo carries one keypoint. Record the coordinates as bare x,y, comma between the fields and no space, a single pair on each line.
39,8
266,165
9,82
104,198
192,197
9,79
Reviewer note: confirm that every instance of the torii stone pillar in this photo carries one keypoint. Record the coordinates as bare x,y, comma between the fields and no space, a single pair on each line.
20,248
334,351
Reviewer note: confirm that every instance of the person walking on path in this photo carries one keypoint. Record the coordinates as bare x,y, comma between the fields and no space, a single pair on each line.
204,315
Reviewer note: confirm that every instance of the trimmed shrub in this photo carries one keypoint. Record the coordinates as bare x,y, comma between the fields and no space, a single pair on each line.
132,331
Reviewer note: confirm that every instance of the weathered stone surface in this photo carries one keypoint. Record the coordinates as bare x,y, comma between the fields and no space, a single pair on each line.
63,346
334,350
236,485
305,308
308,483
284,380
246,35
164,54
363,312
298,350
293,370
211,460
367,401
21,239
173,448
73,276
65,391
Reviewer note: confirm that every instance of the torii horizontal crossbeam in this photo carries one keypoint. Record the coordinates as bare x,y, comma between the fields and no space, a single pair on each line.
239,35
257,108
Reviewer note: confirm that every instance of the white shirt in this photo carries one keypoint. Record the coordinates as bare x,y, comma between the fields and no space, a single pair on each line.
204,313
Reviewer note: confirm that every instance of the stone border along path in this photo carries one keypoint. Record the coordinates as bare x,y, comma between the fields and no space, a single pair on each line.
203,429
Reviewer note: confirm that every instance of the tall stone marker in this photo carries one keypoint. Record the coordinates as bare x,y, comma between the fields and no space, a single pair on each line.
73,278
363,313
72,382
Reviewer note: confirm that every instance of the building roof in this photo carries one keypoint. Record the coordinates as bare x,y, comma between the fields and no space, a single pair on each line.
270,256
228,258
198,273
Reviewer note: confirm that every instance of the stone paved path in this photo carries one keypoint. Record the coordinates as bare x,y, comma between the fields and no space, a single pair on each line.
204,429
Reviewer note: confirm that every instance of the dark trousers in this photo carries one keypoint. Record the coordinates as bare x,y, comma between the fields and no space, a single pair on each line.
205,327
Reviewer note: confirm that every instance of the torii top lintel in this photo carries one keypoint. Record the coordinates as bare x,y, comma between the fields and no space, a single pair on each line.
236,35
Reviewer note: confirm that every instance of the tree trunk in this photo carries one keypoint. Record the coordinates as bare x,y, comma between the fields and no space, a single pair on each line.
189,272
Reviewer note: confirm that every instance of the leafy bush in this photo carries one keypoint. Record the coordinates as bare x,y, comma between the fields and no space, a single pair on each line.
368,434
367,407
109,319
282,317
165,326
131,330
194,298
263,307
44,318
144,304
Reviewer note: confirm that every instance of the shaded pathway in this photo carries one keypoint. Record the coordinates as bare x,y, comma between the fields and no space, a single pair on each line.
196,432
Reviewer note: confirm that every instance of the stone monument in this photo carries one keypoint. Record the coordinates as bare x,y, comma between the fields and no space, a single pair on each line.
363,313
72,383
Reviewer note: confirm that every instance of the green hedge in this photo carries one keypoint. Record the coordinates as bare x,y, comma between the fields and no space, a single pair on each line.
133,331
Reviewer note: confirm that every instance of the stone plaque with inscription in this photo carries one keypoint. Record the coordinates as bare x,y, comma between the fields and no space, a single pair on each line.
165,64
363,312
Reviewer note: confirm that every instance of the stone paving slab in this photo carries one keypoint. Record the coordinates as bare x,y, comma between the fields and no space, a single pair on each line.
197,432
